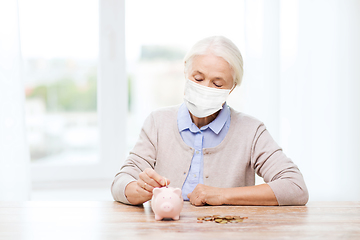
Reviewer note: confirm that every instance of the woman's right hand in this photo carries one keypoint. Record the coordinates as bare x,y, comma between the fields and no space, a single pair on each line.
141,191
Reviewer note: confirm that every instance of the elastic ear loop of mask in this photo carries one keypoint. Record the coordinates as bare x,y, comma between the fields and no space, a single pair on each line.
233,87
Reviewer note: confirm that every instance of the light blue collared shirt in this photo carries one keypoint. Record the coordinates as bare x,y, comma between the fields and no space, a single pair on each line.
207,136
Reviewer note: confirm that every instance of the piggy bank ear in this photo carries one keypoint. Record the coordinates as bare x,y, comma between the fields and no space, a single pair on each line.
177,191
156,191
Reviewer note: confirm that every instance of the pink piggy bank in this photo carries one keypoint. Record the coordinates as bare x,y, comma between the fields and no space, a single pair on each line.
167,202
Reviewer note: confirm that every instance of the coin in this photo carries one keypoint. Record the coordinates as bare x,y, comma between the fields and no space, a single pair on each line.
222,219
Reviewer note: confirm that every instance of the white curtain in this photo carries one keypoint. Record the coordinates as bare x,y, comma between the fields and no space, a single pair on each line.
14,154
320,90
302,78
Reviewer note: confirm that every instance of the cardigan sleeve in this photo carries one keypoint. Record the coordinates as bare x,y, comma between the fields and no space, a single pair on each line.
277,170
141,157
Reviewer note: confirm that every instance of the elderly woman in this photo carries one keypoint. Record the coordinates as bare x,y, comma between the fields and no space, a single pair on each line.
205,147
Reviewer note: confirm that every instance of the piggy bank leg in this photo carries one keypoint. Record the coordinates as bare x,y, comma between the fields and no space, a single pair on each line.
157,217
176,217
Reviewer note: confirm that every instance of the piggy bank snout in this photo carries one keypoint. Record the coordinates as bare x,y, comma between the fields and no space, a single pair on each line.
167,206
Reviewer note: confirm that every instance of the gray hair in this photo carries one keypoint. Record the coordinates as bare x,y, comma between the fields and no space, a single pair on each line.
219,46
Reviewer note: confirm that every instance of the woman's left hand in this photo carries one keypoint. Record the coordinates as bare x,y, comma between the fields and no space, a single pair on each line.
203,194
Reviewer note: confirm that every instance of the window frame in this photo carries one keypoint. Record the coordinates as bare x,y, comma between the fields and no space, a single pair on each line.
112,105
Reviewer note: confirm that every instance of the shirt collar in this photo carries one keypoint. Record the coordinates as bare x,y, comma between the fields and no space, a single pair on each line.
184,119
219,122
185,122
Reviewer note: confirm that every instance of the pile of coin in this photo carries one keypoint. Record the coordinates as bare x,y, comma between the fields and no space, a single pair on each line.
221,219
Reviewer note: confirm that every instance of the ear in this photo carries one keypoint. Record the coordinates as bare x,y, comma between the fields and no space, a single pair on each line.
177,191
156,191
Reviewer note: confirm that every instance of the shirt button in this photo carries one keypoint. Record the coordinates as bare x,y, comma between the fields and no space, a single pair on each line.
194,175
197,152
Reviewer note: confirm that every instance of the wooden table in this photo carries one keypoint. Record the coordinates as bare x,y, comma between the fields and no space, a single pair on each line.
112,220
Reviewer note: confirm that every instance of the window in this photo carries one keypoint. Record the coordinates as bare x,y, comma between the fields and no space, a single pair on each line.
68,98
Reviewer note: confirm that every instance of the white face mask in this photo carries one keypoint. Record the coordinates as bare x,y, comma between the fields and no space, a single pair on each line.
203,101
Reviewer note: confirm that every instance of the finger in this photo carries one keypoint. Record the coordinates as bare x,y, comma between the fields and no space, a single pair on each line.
191,198
147,179
154,175
144,193
167,182
196,197
144,186
199,202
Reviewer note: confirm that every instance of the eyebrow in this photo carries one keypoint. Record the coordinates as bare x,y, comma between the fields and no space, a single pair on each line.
216,78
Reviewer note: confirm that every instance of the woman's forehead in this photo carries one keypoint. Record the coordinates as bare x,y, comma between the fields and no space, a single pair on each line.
212,65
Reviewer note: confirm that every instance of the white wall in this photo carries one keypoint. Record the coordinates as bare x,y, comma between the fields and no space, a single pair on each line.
320,94
302,79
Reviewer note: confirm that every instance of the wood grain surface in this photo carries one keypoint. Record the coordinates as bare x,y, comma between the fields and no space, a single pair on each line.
112,220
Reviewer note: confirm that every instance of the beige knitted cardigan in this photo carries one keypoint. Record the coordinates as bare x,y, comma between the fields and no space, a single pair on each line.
247,149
